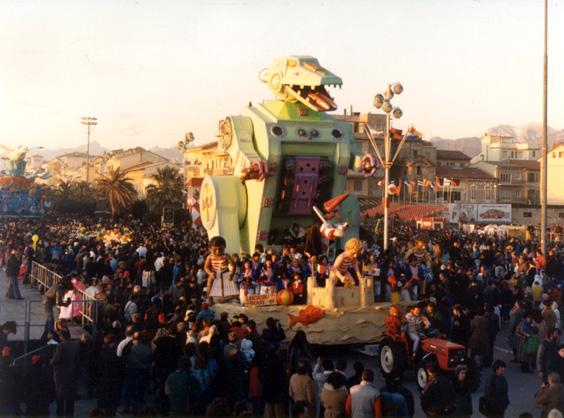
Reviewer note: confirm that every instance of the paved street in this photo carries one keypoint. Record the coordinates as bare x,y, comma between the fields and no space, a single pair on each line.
11,309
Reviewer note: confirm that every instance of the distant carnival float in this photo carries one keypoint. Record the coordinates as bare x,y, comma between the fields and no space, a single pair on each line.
20,195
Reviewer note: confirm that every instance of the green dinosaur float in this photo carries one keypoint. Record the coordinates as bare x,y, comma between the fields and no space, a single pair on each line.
288,155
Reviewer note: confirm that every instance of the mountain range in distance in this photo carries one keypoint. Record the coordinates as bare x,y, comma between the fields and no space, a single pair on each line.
471,146
171,153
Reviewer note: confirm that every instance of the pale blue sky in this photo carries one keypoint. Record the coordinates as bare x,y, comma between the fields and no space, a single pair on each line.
152,70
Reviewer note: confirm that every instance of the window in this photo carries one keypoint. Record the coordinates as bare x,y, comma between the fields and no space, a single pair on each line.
506,177
455,196
473,193
418,170
561,154
527,214
532,177
415,153
561,215
488,194
358,185
534,154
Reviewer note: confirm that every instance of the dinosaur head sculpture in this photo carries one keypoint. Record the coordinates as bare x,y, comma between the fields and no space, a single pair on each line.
300,78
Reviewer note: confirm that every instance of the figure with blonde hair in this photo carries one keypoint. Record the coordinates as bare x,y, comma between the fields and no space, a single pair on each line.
345,262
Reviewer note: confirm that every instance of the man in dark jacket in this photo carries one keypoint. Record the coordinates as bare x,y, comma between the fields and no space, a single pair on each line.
12,270
496,391
547,354
438,396
66,362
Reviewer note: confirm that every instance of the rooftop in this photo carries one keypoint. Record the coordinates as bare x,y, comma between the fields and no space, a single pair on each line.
462,173
444,154
524,164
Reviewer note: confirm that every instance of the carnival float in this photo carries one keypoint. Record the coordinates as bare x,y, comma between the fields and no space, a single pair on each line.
290,162
20,195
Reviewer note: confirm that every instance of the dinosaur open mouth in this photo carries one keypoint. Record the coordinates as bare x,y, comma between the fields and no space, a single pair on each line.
316,97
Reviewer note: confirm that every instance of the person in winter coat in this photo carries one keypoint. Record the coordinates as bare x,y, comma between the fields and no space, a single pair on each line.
110,377
547,354
12,271
463,401
437,398
66,363
496,391
183,390
493,329
334,396
460,326
478,343
302,386
274,383
551,395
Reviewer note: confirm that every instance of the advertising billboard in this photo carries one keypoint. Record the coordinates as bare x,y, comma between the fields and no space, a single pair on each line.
494,213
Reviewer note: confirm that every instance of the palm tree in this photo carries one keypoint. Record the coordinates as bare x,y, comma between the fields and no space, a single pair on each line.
167,190
117,188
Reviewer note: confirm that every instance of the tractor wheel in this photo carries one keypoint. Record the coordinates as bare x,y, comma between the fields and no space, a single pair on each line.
421,375
392,358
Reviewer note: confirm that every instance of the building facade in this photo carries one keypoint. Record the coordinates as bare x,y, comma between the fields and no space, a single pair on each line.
502,147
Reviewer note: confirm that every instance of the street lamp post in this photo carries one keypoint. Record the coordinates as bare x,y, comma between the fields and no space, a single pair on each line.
88,121
382,101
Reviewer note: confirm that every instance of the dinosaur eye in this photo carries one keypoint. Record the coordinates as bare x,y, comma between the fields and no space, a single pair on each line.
314,133
336,133
302,132
276,130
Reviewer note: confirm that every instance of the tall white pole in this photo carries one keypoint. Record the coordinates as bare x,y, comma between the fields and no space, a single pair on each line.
88,156
386,178
544,149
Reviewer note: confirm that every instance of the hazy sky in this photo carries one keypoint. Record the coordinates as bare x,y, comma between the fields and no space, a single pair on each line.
152,70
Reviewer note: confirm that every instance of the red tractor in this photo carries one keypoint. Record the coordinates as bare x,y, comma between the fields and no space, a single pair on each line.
395,358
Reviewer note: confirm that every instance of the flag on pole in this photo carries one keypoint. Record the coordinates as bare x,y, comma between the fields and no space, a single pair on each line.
381,183
420,183
446,182
406,183
455,182
431,185
393,189
426,183
396,134
414,132
438,184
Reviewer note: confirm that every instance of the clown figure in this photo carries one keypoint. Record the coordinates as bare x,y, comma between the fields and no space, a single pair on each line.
220,268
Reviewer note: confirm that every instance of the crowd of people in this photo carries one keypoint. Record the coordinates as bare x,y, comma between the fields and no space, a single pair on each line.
162,347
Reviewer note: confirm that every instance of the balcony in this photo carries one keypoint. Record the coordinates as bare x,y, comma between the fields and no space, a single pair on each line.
512,182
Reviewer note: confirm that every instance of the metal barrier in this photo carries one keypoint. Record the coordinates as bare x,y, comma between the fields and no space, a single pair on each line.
89,306
45,277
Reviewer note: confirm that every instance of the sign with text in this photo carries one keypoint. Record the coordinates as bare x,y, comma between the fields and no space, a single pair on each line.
260,300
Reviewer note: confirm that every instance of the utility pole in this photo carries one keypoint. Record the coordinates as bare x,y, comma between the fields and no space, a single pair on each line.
544,149
88,121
